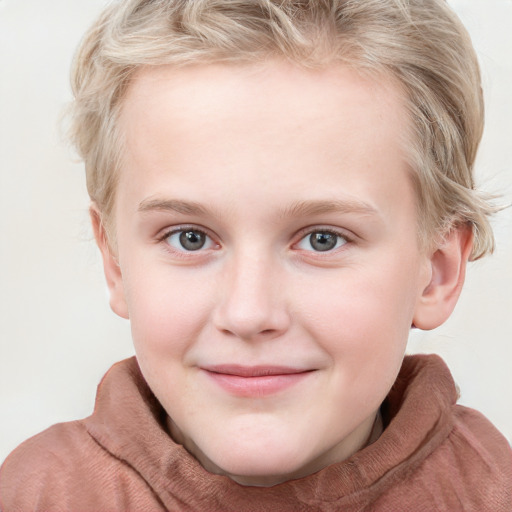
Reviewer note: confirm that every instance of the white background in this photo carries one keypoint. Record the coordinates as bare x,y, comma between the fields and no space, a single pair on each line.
57,333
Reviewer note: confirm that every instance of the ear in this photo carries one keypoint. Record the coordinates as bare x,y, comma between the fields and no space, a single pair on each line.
448,270
110,265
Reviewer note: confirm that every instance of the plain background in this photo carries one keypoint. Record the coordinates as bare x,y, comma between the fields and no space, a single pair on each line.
57,333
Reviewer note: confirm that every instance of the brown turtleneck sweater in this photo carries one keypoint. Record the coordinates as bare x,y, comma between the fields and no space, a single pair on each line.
432,455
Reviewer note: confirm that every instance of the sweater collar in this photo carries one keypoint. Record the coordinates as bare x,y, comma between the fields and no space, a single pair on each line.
129,422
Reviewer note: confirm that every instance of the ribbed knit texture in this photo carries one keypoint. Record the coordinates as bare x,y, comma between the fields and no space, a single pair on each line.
433,455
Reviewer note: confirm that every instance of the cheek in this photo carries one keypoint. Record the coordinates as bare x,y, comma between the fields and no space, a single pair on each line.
167,310
366,309
362,322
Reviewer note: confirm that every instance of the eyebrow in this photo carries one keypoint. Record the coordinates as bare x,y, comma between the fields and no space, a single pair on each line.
318,207
297,209
172,205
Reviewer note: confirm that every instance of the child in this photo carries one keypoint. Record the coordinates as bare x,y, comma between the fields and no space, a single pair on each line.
280,191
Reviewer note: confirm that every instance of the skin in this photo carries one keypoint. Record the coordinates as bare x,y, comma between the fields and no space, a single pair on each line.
257,158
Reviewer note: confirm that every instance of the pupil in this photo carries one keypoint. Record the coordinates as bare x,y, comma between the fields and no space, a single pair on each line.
192,240
323,241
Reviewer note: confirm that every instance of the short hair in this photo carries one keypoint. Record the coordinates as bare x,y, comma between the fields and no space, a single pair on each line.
420,44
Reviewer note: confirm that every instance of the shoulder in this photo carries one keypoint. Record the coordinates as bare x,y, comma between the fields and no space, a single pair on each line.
473,466
62,468
45,452
483,451
45,467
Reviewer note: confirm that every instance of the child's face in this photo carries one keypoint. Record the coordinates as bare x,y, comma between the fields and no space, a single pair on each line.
268,259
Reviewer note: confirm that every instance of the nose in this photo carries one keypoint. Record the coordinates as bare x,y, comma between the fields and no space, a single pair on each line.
252,303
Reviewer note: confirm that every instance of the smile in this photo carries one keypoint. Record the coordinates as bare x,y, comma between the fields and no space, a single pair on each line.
255,381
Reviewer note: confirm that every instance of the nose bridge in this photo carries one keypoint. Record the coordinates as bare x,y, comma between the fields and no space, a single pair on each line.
252,300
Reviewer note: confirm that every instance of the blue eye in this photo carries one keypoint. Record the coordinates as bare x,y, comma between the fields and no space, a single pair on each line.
322,241
189,240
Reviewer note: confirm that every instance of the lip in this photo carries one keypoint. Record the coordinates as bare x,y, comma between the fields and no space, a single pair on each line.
255,381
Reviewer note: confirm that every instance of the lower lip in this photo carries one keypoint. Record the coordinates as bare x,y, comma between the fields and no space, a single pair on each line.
256,386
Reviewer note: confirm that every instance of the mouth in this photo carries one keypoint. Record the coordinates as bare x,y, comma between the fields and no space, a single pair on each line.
255,381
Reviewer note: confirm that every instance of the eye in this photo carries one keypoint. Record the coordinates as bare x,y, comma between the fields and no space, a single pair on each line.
189,240
322,241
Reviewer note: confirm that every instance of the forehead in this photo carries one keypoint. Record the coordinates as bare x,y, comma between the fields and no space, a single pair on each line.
256,127
276,93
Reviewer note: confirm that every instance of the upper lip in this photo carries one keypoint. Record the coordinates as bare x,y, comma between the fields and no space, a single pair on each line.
253,371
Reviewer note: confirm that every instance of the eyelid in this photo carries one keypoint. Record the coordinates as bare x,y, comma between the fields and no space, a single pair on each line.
308,231
299,236
166,233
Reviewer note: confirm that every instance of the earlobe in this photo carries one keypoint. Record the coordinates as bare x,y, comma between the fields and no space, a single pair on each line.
111,267
448,270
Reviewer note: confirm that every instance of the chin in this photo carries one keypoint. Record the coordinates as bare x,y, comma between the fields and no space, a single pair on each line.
259,466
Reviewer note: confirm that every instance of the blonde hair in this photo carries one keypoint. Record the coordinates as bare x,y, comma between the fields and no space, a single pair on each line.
420,43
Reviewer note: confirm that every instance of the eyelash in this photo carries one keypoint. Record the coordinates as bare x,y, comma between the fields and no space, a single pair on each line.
304,234
340,235
183,252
